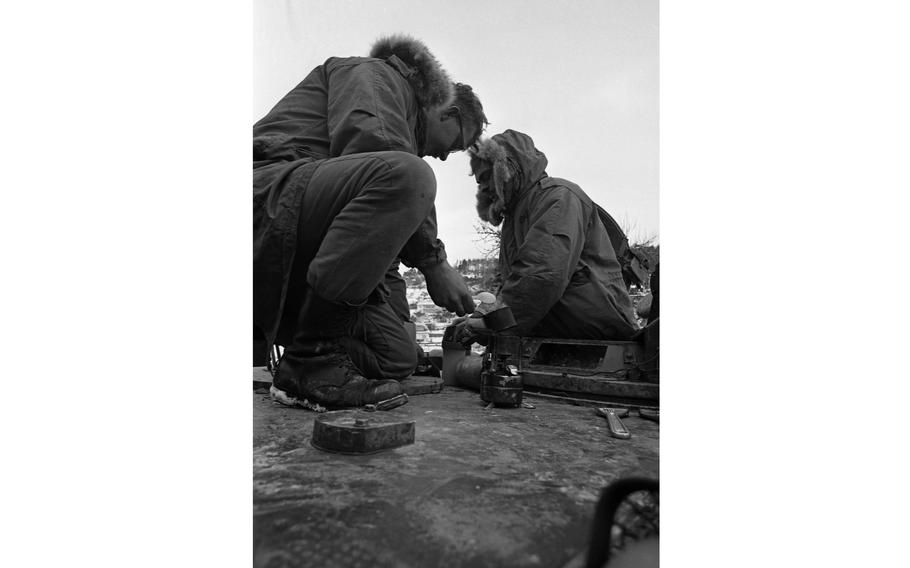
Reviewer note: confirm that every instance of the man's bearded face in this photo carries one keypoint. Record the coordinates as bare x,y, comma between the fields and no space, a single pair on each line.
489,201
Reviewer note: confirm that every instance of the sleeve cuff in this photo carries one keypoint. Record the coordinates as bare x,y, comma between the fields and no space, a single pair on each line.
432,258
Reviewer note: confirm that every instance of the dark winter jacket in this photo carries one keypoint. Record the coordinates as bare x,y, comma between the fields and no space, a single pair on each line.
344,106
559,272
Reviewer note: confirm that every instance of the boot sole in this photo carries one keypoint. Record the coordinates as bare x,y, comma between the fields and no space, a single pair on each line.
281,397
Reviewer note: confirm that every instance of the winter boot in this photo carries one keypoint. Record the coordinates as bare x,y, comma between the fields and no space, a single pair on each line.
316,367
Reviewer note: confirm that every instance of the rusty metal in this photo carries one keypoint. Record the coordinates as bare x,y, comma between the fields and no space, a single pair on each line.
360,432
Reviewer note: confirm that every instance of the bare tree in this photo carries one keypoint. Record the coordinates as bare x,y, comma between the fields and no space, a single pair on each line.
637,238
488,238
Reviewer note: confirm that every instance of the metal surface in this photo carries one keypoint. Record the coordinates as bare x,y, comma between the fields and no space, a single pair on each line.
583,357
262,378
447,500
415,385
585,401
604,370
647,414
360,432
630,392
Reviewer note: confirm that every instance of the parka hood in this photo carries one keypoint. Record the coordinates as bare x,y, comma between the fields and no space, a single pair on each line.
430,81
516,165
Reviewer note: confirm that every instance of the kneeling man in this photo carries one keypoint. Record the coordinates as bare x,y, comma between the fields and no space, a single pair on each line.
560,275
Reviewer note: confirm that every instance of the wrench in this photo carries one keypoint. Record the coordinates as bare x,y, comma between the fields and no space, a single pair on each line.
615,426
387,404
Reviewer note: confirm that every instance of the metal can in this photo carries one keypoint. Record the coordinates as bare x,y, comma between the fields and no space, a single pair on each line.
501,389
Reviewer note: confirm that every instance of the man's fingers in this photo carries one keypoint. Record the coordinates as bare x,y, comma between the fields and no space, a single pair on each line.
458,308
467,338
467,303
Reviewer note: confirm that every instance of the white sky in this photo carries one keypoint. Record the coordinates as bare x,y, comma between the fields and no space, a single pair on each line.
580,77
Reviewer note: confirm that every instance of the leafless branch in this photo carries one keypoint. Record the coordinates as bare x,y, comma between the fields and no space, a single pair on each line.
488,238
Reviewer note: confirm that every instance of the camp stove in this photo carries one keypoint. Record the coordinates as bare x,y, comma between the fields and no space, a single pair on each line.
500,381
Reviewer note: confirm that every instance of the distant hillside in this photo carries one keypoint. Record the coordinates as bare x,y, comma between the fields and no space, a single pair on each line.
413,278
478,273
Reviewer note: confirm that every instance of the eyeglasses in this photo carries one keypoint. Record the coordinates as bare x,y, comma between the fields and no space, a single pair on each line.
461,140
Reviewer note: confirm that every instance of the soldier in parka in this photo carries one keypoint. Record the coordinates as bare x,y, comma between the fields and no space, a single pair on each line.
340,194
559,272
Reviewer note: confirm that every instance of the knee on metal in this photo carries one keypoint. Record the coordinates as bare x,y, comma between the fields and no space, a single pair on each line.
402,366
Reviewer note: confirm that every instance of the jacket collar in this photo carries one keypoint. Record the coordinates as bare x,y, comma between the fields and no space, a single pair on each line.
432,85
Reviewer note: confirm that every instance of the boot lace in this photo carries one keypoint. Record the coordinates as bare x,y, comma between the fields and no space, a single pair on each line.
341,358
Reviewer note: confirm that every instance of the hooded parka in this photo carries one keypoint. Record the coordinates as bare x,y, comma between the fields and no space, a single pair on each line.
345,106
559,271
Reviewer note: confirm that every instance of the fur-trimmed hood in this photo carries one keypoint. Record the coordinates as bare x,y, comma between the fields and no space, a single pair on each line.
516,165
430,81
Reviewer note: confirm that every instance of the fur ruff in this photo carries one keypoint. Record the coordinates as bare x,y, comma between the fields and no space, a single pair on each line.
430,81
492,200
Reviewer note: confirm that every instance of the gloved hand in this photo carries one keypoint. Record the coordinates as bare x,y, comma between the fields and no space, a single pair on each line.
470,329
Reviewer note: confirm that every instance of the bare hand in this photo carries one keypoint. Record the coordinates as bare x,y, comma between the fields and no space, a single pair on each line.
447,289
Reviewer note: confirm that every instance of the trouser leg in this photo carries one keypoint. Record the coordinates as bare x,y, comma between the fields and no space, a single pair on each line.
398,292
379,344
317,367
357,214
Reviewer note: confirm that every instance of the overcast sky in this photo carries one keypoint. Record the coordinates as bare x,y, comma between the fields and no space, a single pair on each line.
580,77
